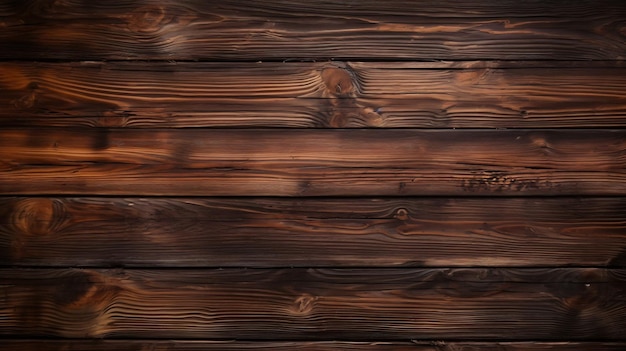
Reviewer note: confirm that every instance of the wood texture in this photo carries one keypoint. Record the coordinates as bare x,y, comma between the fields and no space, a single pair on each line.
313,175
312,162
286,30
270,232
304,95
285,304
181,345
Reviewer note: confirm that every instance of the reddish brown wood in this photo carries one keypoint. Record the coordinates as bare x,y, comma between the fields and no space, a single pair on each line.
304,95
546,269
312,162
270,232
316,304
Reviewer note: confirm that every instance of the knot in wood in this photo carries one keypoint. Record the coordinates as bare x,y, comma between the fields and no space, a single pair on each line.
86,290
147,19
304,304
539,142
338,81
402,214
26,102
37,216
73,286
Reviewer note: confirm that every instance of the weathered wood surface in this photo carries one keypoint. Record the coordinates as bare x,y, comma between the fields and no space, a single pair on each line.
182,345
312,162
270,232
284,30
302,95
288,304
144,113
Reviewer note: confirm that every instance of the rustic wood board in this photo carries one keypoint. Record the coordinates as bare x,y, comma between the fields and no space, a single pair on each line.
183,345
313,95
274,232
301,30
312,162
327,304
294,175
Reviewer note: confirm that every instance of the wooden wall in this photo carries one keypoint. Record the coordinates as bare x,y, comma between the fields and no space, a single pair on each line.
313,175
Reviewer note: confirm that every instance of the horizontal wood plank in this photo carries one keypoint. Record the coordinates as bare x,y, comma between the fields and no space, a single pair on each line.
294,175
297,95
326,304
182,345
312,162
270,232
288,29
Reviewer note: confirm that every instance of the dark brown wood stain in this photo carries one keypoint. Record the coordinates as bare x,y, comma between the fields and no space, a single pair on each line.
200,232
300,30
328,175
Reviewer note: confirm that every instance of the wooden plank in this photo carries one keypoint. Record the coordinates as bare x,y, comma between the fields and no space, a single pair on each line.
297,95
183,345
312,162
271,232
325,304
285,30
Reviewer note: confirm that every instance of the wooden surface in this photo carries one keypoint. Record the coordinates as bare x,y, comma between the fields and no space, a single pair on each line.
287,304
274,232
301,30
319,95
313,162
181,345
328,175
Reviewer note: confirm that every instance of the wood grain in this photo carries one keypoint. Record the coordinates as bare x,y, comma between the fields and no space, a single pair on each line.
305,95
271,232
329,175
182,345
301,30
312,162
288,304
